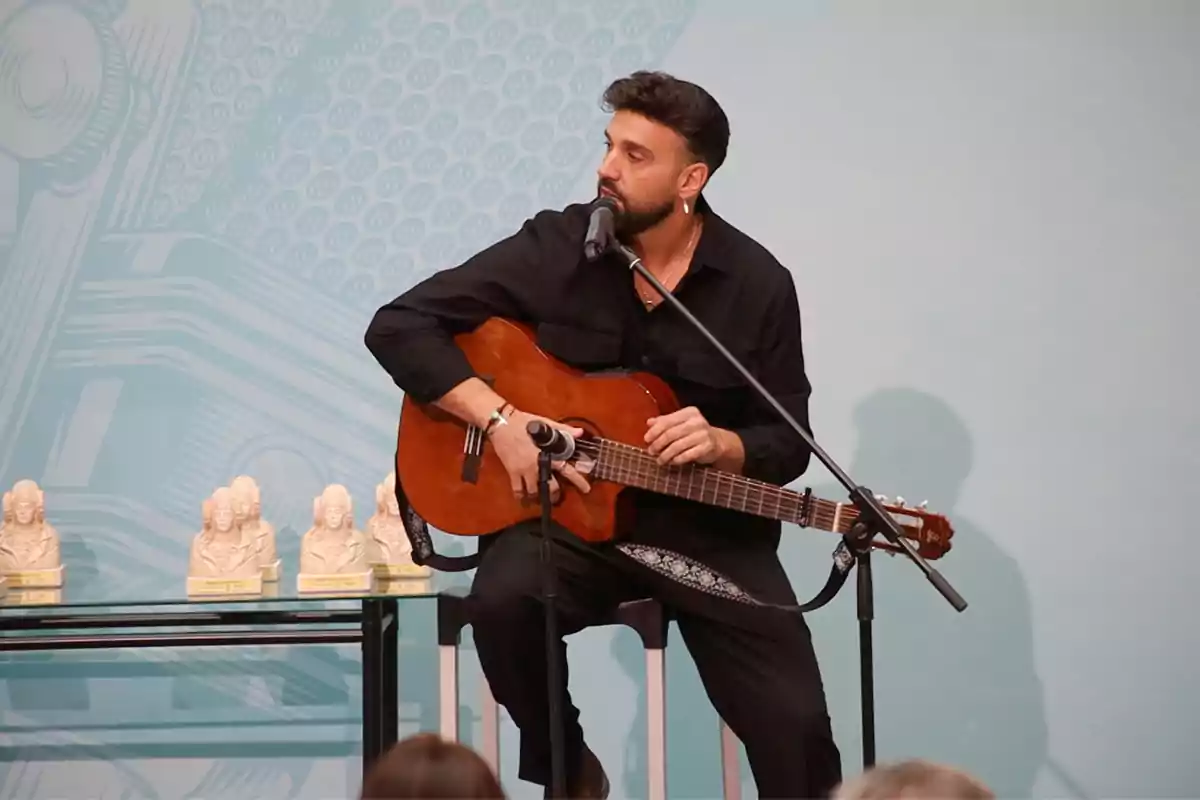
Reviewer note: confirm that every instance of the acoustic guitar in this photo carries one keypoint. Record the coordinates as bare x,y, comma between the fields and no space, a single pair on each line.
457,484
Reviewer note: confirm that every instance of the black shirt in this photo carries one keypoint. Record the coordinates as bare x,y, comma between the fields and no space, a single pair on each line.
589,316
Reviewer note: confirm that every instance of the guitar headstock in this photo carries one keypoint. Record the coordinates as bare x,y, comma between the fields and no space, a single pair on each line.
931,532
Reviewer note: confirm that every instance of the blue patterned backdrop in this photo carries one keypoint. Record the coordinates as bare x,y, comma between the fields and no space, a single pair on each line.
989,209
205,202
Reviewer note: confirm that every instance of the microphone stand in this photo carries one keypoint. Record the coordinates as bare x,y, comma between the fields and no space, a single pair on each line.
872,517
558,774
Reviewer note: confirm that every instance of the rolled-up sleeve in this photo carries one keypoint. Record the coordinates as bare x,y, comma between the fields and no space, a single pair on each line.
412,337
774,451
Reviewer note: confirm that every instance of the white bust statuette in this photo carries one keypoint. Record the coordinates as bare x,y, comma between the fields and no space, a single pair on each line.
388,547
223,559
333,554
7,518
247,503
6,505
29,547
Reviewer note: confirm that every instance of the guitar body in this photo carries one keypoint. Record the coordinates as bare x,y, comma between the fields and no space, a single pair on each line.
432,448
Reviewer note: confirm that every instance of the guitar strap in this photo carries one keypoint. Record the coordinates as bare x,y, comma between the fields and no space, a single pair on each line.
701,577
843,562
423,552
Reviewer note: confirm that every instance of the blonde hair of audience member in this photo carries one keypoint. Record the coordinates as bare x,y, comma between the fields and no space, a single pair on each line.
913,780
425,767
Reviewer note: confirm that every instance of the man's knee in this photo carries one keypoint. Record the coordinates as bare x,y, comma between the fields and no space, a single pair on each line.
501,610
505,583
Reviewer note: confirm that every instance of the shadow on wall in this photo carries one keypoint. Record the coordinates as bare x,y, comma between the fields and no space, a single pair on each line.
956,688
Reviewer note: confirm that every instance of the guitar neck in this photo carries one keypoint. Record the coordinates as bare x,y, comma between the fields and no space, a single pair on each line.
632,466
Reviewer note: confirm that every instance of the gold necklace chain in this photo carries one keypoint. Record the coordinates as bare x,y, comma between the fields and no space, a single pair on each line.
650,301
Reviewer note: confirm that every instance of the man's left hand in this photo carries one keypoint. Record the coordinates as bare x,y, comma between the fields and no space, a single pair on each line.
683,437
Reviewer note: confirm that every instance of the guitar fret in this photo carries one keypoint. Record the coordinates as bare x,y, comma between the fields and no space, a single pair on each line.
635,467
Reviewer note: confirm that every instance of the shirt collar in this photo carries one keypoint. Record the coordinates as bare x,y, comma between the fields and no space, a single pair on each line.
711,249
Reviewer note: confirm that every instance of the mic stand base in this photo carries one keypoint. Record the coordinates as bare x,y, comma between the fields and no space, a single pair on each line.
558,776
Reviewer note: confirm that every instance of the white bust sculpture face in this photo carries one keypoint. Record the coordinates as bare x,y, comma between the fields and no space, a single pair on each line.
246,497
334,516
24,511
335,508
25,501
223,511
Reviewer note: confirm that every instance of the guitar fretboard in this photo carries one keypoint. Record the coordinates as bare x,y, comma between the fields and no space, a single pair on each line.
632,466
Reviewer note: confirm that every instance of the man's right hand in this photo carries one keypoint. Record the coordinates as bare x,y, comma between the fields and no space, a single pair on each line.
519,455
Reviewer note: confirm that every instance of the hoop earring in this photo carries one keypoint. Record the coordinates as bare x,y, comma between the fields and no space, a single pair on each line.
685,207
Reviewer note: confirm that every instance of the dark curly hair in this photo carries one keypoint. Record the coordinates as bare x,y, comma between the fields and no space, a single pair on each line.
683,107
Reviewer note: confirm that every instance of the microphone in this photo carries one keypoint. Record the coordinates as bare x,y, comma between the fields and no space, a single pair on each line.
559,444
600,228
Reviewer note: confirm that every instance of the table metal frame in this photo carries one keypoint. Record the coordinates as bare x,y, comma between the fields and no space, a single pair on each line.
375,628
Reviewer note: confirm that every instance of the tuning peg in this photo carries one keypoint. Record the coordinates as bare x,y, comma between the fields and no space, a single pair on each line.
900,501
883,498
923,504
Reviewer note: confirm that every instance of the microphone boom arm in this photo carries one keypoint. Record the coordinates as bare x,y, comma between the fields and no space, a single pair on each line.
871,512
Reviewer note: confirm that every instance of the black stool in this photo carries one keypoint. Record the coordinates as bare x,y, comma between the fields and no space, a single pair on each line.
647,619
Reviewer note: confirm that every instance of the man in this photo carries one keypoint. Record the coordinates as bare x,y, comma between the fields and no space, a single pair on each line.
715,570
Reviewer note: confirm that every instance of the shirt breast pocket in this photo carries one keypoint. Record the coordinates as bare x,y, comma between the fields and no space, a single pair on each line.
587,349
712,384
711,370
708,376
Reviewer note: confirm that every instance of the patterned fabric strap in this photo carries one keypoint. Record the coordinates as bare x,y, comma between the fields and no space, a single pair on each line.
699,576
423,552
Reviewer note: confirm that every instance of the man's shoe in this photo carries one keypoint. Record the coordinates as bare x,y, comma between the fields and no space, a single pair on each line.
590,784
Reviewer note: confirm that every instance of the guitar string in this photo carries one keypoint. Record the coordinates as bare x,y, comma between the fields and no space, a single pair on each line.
824,514
638,463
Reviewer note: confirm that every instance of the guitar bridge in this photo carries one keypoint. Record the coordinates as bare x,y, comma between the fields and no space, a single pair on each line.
473,447
472,454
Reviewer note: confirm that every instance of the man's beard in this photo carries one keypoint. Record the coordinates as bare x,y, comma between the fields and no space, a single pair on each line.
629,222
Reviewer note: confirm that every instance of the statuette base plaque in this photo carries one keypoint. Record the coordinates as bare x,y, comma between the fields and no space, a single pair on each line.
316,582
36,578
207,587
400,571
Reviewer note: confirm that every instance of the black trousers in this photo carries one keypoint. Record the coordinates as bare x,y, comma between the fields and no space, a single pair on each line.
761,677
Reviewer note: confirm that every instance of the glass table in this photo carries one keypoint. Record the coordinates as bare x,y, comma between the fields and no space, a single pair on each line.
99,614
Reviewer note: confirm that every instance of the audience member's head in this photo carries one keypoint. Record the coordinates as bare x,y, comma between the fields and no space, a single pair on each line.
913,780
425,767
